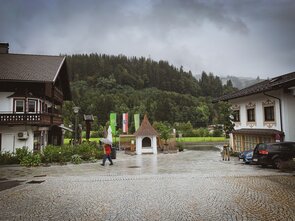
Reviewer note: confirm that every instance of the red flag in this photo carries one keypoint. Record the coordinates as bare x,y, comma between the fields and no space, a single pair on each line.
125,123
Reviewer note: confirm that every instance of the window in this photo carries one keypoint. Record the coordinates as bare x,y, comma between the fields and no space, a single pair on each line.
269,113
238,142
251,115
236,115
32,106
250,142
19,106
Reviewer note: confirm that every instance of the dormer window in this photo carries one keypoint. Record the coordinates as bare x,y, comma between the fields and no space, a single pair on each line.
19,106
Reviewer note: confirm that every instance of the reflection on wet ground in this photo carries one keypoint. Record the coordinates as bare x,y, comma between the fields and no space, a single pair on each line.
189,185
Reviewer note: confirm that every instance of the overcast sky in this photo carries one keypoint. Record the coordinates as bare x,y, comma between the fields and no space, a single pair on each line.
240,38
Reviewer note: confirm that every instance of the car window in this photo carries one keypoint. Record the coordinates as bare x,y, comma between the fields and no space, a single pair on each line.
274,147
262,146
287,146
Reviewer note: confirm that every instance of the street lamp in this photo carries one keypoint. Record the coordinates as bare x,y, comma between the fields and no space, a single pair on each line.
76,111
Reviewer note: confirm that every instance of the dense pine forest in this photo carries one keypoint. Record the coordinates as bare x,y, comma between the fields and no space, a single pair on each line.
102,84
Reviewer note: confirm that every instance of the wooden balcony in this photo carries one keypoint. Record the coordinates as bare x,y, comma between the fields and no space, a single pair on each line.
54,92
44,119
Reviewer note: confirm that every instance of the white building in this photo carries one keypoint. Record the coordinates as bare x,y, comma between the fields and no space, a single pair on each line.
32,91
264,112
146,138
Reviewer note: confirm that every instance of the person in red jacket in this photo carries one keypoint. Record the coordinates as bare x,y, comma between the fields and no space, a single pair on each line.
107,148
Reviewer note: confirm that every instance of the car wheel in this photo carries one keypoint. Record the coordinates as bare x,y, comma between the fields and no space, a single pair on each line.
277,163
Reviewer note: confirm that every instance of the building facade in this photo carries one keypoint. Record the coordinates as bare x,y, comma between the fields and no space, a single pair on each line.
264,112
146,138
32,91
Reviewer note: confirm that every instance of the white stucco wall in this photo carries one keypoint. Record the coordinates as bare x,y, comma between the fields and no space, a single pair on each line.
10,141
288,107
259,111
288,112
5,103
153,148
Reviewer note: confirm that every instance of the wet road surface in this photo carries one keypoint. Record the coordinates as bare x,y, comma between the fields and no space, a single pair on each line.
190,185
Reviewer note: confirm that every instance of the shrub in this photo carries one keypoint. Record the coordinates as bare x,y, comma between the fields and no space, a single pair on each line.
217,133
76,159
21,153
31,160
86,150
179,146
59,154
8,158
203,132
94,134
93,160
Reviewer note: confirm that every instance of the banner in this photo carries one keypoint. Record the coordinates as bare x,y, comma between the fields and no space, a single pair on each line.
125,123
136,121
113,122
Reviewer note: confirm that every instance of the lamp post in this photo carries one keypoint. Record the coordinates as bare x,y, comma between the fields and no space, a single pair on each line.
76,111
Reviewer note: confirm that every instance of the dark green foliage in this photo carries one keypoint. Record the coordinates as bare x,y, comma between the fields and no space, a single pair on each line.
164,129
62,154
86,150
32,159
217,133
179,145
102,84
21,153
95,134
58,154
8,158
76,159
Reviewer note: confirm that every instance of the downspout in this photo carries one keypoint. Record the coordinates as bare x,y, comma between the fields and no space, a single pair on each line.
280,105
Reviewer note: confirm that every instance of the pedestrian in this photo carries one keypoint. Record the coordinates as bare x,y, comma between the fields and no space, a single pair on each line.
107,148
225,153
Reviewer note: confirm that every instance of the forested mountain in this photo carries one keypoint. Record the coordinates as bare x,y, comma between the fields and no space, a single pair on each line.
102,84
241,82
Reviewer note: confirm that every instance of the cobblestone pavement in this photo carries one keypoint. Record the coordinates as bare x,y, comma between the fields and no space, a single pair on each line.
192,185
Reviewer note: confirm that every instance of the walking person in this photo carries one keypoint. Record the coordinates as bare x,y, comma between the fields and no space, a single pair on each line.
107,148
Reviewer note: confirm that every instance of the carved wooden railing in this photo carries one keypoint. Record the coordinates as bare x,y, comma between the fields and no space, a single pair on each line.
30,118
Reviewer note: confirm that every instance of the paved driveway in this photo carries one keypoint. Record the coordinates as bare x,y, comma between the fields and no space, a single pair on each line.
192,185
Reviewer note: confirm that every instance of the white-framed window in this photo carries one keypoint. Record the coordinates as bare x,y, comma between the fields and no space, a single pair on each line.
236,115
269,113
19,106
32,106
251,114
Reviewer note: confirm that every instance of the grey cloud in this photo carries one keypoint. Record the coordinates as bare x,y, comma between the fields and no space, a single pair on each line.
228,37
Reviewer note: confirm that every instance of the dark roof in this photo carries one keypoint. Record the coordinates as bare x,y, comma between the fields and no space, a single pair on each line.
275,83
36,68
258,131
146,129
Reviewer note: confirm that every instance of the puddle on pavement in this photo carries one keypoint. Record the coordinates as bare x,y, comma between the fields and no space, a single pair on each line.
35,181
201,147
42,175
10,184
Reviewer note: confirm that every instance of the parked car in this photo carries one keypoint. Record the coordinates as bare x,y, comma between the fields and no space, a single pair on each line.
273,153
246,156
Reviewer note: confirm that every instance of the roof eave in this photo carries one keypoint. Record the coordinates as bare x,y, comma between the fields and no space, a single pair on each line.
59,68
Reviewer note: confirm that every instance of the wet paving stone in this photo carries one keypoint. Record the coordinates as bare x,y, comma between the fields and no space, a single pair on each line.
193,185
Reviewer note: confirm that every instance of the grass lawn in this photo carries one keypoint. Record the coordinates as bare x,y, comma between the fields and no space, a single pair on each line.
201,139
183,139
